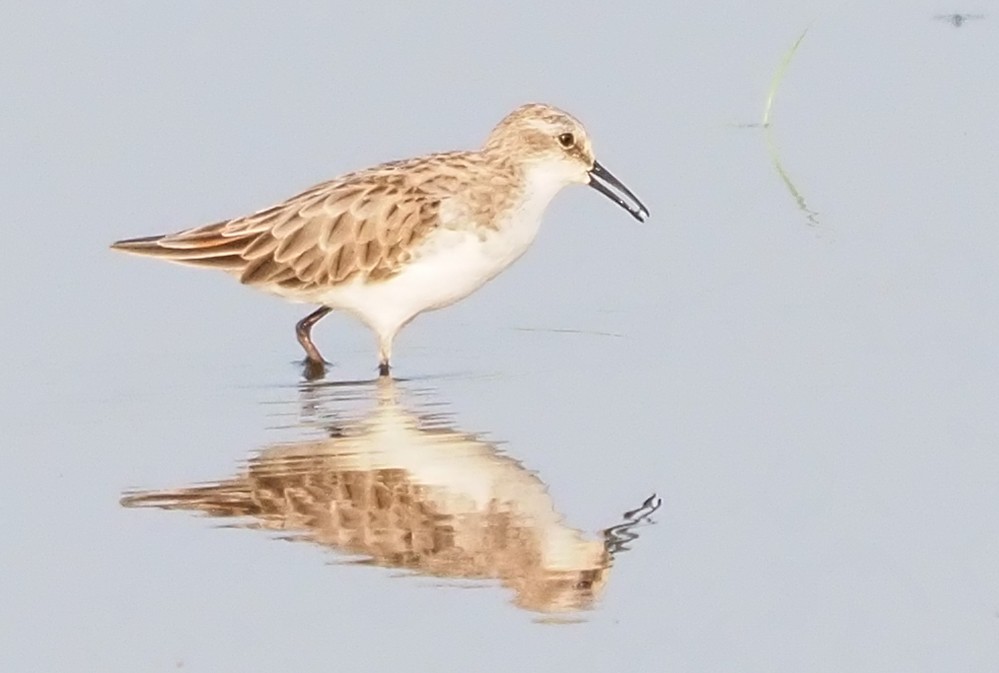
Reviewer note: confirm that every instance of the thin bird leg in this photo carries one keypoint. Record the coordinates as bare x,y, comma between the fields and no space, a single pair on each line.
313,371
303,330
385,352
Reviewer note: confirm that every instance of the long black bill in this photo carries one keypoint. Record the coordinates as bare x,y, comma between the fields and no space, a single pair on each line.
600,178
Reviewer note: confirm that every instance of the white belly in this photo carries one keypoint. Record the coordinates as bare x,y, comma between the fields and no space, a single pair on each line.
450,266
451,263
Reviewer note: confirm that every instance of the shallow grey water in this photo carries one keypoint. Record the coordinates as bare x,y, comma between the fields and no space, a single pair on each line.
811,393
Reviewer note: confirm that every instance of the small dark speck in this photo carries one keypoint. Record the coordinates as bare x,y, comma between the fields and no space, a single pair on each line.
957,20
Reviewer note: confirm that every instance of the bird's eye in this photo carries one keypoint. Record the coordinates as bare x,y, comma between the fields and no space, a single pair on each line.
566,140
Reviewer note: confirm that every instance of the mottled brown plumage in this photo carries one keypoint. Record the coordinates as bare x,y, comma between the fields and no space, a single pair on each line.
361,226
392,241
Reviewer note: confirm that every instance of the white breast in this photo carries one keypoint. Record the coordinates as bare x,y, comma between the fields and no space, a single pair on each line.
451,263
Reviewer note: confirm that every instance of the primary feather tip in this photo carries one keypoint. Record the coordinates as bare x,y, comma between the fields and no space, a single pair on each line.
137,244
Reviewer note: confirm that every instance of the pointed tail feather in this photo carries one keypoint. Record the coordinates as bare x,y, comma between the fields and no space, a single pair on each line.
203,247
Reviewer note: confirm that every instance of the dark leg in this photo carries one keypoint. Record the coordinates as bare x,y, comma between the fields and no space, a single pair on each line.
383,369
313,371
303,331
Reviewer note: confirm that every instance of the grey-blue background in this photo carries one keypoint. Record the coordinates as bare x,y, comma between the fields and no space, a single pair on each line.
816,405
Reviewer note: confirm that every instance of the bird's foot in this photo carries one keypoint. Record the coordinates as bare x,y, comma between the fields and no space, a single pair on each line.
383,369
313,370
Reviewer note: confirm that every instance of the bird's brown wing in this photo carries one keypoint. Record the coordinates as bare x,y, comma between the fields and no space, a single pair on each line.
329,234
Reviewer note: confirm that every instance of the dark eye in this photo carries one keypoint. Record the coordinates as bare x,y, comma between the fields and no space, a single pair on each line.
567,140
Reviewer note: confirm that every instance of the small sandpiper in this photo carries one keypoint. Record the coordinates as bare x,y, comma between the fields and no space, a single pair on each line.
390,242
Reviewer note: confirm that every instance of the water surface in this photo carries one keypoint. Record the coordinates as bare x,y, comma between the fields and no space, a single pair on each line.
796,353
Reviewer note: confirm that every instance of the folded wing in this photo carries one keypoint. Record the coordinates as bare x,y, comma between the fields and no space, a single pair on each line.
332,233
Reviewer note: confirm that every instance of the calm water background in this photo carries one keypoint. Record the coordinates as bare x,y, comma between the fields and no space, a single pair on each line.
814,404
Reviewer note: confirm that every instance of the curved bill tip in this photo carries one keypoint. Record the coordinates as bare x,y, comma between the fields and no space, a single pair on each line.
603,180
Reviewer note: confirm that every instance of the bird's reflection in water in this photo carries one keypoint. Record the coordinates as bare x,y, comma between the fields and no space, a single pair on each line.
396,489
